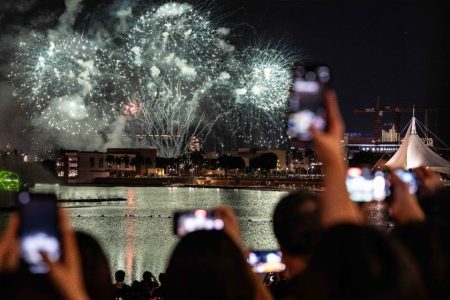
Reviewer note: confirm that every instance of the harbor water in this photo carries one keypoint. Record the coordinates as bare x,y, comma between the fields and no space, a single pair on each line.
134,225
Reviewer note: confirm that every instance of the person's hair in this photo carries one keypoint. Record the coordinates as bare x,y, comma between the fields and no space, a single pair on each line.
358,262
162,278
96,270
148,276
96,276
119,275
296,223
436,206
208,265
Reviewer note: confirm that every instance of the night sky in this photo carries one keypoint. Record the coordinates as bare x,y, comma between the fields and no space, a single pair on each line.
398,50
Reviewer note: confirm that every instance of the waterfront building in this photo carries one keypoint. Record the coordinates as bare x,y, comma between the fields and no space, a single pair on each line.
86,166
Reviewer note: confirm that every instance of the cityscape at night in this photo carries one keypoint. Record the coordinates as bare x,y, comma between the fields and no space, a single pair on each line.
129,113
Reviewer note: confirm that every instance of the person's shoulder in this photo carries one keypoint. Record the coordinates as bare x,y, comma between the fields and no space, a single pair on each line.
126,286
288,288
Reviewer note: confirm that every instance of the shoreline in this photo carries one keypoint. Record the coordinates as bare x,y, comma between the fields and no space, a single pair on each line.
251,184
269,183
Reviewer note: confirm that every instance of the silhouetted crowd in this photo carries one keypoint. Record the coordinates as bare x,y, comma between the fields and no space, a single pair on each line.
148,288
329,250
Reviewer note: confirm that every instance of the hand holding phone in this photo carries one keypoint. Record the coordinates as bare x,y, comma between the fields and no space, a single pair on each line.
266,261
199,219
404,206
38,231
306,101
363,185
409,178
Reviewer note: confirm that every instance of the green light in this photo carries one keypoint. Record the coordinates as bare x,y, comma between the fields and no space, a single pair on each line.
9,181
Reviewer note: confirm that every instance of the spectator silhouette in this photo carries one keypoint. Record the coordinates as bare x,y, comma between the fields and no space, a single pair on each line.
96,270
425,233
159,292
121,289
148,284
358,262
208,265
136,292
297,227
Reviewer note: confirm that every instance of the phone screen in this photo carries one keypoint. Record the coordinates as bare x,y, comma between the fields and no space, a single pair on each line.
38,230
265,261
306,101
363,185
200,219
409,178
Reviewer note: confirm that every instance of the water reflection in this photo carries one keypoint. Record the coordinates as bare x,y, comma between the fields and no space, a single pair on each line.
130,228
136,234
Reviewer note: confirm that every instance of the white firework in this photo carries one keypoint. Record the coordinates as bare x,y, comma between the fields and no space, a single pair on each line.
59,83
175,64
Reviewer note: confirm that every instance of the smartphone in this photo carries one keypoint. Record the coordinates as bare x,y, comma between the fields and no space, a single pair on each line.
306,101
38,230
363,185
192,220
408,177
266,261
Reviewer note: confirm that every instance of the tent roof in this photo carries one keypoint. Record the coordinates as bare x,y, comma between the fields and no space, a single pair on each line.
414,153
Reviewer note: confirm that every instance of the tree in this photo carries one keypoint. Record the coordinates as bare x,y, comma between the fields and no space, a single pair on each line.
196,158
237,163
268,161
265,161
110,160
225,162
126,161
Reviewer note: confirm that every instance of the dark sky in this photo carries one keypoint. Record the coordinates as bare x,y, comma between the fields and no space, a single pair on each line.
398,50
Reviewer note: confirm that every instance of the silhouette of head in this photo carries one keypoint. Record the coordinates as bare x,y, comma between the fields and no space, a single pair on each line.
208,265
119,275
296,223
356,262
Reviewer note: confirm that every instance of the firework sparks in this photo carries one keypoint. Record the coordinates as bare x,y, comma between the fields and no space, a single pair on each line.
175,67
132,108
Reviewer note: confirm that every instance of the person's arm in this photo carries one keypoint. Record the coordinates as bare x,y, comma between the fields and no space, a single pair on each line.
231,227
67,274
335,204
404,207
430,181
9,246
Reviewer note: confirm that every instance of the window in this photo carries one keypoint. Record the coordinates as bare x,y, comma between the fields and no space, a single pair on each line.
91,162
100,163
72,173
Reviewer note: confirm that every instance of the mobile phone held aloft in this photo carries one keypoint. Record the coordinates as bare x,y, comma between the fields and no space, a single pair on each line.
408,177
306,101
38,231
193,220
364,185
266,261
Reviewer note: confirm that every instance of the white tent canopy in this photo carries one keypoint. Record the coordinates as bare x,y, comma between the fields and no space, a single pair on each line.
414,153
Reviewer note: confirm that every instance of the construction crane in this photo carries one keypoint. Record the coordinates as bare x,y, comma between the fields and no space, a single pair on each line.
378,111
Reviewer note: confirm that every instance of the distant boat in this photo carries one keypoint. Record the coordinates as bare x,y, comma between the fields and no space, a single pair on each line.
414,153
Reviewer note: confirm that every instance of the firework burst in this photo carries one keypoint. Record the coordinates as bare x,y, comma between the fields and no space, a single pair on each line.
174,63
59,83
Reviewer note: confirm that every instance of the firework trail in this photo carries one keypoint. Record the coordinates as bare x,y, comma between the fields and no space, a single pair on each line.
168,72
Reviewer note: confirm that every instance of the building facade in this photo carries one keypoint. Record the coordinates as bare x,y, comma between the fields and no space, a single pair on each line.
77,167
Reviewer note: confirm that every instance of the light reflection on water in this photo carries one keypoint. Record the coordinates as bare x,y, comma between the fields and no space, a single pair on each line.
137,233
